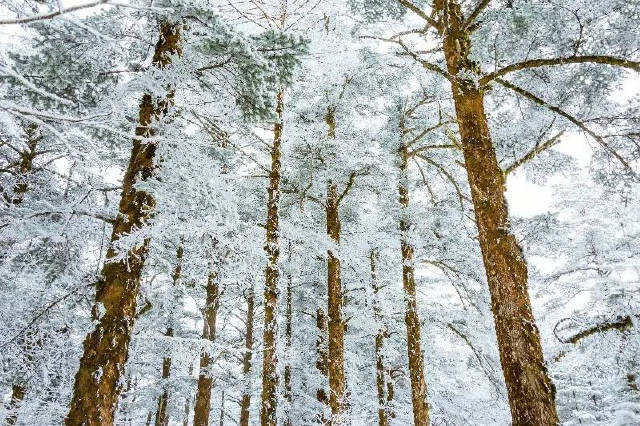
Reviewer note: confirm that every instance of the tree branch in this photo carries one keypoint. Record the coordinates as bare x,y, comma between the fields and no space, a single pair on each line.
482,5
415,9
525,93
533,153
46,16
535,63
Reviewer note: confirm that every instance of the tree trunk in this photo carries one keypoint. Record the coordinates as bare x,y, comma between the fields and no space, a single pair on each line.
337,381
205,378
287,369
411,318
17,395
322,361
245,403
96,388
162,419
531,392
269,397
383,382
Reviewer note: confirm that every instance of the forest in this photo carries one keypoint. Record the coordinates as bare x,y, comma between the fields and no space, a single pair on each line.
319,212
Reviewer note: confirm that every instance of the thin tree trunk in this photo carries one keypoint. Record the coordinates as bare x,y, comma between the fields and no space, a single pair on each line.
269,397
205,378
383,381
96,388
17,395
288,328
337,381
411,318
322,360
531,392
162,418
245,404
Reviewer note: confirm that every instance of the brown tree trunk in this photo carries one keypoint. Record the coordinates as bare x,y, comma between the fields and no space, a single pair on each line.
322,360
26,163
411,318
96,388
162,419
531,392
245,403
17,395
383,381
269,397
337,381
205,378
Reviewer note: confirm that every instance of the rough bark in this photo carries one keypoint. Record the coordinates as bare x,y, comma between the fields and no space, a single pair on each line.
337,380
245,403
162,418
269,397
530,390
96,388
17,395
205,378
384,384
411,318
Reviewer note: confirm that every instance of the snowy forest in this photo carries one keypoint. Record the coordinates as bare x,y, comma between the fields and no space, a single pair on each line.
319,212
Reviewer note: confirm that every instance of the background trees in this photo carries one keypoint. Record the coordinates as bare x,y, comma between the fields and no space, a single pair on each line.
389,136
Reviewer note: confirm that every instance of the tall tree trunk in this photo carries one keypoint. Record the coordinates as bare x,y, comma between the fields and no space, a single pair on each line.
337,381
383,380
269,397
531,392
322,361
245,403
288,329
96,388
411,318
162,419
205,378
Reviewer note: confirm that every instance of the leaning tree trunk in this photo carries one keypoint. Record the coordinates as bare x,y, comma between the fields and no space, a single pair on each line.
205,378
269,397
162,418
245,403
383,381
531,392
97,382
411,318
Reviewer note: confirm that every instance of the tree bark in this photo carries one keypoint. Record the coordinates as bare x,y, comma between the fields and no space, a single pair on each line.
337,381
205,378
245,403
383,383
17,395
96,388
530,390
162,418
322,361
288,329
411,318
269,397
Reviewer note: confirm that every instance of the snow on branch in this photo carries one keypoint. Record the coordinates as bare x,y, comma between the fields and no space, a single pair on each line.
51,15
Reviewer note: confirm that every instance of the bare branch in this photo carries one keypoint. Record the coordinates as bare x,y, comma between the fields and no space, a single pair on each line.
533,153
525,93
482,5
415,9
58,12
535,63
